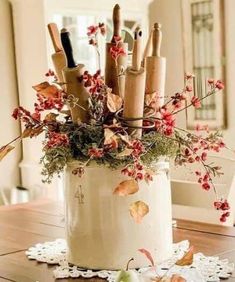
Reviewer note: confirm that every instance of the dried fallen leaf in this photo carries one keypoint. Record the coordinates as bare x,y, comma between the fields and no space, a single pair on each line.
138,210
187,259
148,255
161,279
177,278
5,150
126,187
114,102
46,89
174,278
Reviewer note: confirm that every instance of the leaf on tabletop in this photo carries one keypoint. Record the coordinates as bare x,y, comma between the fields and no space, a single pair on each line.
114,102
138,210
161,279
148,255
187,259
126,187
5,150
177,278
174,278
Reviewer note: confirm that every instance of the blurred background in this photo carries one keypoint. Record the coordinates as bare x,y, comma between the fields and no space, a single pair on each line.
198,37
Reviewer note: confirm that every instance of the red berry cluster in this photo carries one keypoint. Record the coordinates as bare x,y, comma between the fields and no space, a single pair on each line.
116,51
137,172
96,152
137,147
30,120
94,83
223,206
57,140
166,123
195,101
204,180
218,84
93,31
49,103
79,171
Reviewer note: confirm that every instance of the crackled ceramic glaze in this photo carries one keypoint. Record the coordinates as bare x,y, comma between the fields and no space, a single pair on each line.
101,234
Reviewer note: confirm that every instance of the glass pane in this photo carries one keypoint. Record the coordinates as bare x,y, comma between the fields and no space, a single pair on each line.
203,63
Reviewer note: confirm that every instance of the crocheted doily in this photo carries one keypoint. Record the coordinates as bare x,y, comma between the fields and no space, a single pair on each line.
203,269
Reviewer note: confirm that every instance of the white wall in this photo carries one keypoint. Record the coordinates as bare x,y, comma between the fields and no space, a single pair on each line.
9,128
168,13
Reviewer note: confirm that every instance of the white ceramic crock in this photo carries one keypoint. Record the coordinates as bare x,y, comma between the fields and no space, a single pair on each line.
101,234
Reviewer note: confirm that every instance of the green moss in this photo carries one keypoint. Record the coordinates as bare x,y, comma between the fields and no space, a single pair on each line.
84,137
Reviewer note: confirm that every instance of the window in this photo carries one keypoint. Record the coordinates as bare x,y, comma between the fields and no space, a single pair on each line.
203,29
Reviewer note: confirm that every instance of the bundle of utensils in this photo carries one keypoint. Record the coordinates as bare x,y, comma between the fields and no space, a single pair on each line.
144,78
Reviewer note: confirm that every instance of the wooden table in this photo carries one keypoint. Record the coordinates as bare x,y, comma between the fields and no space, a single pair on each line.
22,226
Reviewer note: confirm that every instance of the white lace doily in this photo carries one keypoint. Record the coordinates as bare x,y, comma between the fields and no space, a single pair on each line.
203,269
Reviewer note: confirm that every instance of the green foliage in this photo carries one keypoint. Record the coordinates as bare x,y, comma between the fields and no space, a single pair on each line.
84,137
157,145
54,161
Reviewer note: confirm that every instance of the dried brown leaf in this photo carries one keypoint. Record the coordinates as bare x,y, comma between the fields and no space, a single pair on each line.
177,278
125,139
110,137
187,259
32,132
114,102
46,89
41,86
50,117
174,278
148,255
138,210
5,150
126,187
125,153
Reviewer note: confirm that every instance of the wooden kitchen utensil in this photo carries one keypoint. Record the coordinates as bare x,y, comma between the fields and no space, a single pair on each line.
148,48
71,73
113,79
156,69
135,89
58,58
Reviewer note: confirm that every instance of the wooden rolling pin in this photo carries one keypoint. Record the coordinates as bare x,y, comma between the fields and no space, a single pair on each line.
112,78
71,73
148,48
58,58
135,88
156,69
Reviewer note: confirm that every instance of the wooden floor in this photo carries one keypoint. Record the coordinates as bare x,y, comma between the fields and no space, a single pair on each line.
22,226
